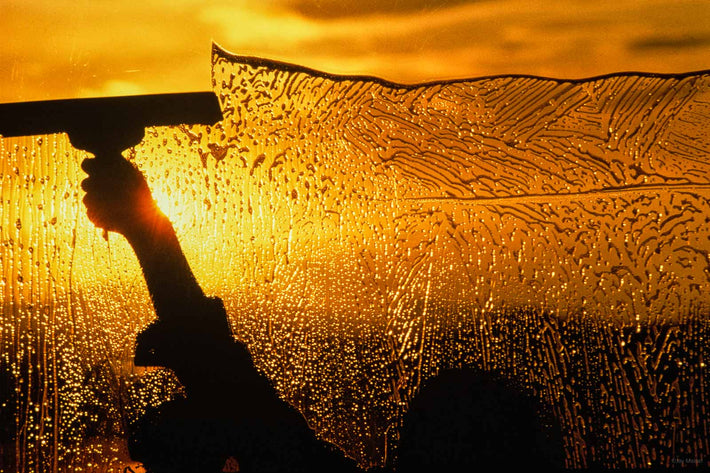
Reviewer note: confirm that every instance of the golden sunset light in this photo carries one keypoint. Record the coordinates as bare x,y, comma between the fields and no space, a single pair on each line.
79,49
369,196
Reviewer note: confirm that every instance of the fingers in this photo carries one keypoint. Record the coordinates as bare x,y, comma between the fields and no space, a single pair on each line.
89,165
94,166
105,175
103,188
97,212
115,168
98,174
117,195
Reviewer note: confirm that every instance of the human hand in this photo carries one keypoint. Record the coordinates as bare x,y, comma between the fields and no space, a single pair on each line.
117,196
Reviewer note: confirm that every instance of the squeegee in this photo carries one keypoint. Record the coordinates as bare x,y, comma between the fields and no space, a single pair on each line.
106,126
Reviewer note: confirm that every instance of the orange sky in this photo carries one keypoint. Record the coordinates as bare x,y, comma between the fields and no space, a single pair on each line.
63,49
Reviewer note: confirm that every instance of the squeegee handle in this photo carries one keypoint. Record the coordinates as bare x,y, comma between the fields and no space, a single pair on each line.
108,157
107,141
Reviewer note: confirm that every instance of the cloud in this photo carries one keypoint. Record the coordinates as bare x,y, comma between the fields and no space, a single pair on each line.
51,50
330,9
114,87
670,42
258,27
343,42
464,39
56,49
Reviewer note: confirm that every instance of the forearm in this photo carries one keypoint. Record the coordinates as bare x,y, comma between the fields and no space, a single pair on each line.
192,331
170,280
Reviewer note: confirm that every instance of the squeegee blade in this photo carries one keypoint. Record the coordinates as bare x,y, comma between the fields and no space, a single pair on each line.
58,116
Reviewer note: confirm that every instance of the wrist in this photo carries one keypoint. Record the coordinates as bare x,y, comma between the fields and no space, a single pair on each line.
150,226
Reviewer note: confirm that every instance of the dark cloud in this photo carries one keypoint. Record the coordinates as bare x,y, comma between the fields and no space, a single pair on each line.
670,42
576,24
331,9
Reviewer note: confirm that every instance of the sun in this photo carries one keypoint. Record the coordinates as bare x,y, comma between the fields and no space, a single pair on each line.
169,206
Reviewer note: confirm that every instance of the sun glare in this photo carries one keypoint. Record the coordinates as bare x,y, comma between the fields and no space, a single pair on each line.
169,206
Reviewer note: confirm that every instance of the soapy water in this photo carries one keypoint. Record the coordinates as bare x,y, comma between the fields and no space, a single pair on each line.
366,235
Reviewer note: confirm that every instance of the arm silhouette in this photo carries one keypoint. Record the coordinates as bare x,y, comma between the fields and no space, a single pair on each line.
237,409
192,330
118,200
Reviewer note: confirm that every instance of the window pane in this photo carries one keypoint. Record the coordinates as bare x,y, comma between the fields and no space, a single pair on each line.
364,236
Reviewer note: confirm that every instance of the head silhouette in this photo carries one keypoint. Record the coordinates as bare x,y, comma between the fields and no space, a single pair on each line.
470,420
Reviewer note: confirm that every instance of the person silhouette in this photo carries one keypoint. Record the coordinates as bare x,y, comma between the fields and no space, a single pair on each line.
461,420
230,411
467,419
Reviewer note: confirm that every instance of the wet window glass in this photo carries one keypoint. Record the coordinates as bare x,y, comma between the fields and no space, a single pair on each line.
365,236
